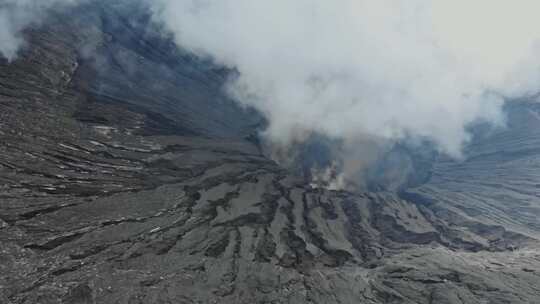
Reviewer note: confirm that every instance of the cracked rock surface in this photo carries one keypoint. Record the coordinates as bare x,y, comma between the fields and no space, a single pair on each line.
140,183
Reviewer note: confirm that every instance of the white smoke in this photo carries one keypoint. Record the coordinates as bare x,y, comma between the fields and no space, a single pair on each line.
365,72
17,15
390,69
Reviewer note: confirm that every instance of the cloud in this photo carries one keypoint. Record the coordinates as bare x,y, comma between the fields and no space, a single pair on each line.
347,69
363,73
16,15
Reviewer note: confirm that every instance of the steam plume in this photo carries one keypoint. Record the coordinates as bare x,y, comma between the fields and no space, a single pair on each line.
16,15
389,69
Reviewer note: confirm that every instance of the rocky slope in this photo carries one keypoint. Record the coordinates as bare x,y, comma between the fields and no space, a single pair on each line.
127,177
498,182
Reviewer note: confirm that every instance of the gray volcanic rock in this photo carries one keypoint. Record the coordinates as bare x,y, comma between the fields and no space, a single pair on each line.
497,184
135,183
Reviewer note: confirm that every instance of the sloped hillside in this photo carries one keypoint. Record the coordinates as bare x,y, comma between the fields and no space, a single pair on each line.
126,176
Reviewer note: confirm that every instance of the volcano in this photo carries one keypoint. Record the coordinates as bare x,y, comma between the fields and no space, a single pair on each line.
127,175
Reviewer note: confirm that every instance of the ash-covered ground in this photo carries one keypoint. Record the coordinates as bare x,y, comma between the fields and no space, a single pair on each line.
127,176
